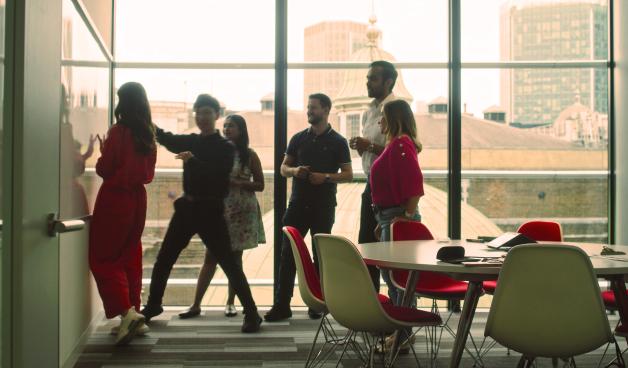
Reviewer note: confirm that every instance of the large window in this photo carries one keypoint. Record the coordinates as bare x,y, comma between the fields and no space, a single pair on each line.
535,133
222,48
199,31
534,123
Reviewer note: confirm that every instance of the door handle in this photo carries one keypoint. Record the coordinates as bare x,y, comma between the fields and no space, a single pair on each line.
56,226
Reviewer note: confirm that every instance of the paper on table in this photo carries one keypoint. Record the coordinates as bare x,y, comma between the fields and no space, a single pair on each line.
612,258
485,262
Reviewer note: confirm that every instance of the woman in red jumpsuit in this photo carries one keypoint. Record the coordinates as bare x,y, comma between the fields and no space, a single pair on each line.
127,162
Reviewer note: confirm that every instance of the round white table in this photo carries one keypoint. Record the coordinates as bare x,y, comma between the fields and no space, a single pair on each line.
420,255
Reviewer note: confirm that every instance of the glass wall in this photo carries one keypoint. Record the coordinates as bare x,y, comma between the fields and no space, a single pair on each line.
534,105
346,41
209,47
85,104
171,93
208,31
85,101
535,131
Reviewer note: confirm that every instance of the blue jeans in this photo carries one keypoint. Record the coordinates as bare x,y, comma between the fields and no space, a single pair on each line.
384,219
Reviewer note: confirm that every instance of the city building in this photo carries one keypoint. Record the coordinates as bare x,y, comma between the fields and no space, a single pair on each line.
495,113
552,31
330,41
352,100
579,124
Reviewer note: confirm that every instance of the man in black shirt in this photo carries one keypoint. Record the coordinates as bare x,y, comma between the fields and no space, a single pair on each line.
207,162
312,159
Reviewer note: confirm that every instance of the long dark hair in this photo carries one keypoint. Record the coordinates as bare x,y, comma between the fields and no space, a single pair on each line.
133,111
242,143
401,121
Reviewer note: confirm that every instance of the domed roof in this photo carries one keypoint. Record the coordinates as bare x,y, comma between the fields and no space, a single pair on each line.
493,108
268,97
440,100
573,111
353,90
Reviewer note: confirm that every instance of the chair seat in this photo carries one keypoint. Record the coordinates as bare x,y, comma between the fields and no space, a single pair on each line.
489,287
411,315
383,299
316,291
434,285
454,291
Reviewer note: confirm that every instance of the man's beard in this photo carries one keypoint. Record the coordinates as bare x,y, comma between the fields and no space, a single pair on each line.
375,93
314,120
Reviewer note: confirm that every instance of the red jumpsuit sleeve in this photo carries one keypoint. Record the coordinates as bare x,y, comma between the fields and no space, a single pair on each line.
411,177
108,161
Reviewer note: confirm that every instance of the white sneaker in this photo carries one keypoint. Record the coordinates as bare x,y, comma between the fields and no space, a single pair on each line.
129,326
141,331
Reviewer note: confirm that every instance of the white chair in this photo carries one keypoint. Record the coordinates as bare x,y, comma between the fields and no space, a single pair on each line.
352,301
547,304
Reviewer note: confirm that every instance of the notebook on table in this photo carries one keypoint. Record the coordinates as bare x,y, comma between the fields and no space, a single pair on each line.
509,240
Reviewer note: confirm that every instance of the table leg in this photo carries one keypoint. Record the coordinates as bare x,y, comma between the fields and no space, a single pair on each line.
408,294
474,291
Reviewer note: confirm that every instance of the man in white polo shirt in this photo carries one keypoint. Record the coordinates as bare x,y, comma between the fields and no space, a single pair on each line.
381,79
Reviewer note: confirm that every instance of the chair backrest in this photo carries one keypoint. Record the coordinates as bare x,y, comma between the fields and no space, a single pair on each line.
309,284
559,318
542,230
414,230
347,286
410,230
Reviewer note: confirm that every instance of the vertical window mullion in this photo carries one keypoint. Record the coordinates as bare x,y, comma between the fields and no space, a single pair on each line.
455,117
281,131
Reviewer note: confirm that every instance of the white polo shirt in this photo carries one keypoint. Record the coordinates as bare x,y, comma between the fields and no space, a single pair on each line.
372,131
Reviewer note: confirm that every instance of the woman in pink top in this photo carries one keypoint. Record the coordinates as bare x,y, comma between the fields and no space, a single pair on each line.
396,179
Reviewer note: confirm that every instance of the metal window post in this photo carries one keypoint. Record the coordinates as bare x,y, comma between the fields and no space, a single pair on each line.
455,120
281,130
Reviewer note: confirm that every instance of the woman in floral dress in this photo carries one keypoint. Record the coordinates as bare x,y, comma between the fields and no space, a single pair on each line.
242,211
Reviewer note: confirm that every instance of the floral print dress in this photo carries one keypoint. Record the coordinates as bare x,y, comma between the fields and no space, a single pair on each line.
242,212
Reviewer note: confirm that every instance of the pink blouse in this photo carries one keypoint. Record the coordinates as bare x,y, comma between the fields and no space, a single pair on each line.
395,174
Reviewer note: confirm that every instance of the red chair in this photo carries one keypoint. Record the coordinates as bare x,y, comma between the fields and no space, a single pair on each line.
608,297
432,285
535,230
310,289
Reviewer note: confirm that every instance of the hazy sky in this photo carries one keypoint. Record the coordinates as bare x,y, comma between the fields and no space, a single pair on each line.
243,31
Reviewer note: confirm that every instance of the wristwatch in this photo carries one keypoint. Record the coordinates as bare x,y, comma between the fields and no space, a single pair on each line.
371,148
327,178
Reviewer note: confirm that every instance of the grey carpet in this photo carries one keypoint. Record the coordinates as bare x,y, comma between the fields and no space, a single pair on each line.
213,340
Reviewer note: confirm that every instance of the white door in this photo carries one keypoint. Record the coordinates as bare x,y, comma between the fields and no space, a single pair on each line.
31,182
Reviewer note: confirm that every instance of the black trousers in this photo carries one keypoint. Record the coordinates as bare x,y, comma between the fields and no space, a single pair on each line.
367,229
305,217
205,218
